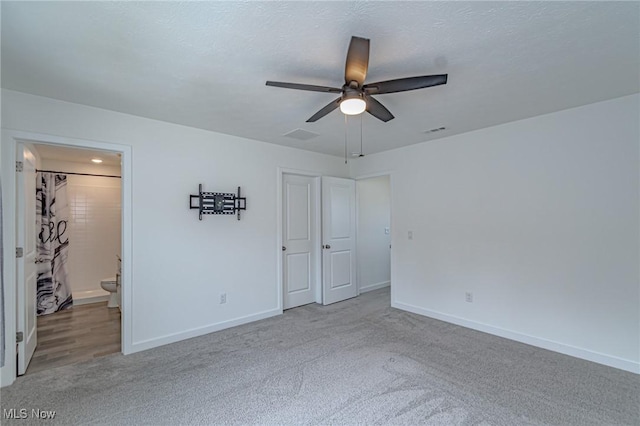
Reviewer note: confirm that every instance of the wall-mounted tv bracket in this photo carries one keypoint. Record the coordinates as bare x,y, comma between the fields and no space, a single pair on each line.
217,202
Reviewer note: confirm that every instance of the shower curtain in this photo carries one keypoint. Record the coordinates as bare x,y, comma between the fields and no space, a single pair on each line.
52,215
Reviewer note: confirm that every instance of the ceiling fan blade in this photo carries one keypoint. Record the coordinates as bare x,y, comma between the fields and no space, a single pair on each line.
378,110
324,111
357,61
404,84
308,87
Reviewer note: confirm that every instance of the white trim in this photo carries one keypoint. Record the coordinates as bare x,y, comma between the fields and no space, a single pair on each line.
200,331
8,147
318,238
600,358
318,226
10,139
279,262
376,286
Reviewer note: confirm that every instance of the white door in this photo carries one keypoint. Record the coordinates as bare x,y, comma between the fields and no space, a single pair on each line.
338,239
299,240
26,265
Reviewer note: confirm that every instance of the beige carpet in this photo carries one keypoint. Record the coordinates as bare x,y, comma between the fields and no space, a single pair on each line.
354,362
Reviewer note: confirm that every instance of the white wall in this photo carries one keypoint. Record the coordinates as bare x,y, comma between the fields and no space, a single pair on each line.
3,326
94,225
181,264
374,215
538,218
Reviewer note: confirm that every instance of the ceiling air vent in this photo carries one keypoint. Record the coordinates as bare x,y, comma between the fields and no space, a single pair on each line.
301,135
438,129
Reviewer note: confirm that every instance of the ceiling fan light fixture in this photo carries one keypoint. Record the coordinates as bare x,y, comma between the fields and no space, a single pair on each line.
353,105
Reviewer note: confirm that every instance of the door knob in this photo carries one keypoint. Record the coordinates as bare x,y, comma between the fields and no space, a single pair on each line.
284,248
327,246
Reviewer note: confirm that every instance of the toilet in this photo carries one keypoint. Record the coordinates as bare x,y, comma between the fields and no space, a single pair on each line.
111,285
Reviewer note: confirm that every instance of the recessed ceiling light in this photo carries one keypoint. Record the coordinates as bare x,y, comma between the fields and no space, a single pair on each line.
96,160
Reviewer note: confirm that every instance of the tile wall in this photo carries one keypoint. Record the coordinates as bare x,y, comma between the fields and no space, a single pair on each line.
94,224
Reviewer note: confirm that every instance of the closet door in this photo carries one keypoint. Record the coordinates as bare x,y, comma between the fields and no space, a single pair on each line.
338,239
299,240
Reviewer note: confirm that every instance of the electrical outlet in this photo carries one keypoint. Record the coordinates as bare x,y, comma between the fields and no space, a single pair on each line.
223,298
410,235
468,296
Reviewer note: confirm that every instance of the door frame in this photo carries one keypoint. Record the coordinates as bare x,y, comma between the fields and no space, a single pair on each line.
10,140
317,227
369,176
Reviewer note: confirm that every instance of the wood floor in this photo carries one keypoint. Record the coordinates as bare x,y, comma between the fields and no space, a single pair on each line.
78,334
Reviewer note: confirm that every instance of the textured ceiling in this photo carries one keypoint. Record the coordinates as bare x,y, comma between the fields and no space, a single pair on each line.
204,64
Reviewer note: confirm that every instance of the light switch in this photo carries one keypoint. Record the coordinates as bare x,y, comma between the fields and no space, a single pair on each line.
410,235
386,231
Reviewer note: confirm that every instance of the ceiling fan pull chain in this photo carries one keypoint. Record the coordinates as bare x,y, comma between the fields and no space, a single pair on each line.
345,139
361,153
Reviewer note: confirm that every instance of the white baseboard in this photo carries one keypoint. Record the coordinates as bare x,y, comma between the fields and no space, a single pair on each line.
89,296
371,287
609,360
7,374
200,331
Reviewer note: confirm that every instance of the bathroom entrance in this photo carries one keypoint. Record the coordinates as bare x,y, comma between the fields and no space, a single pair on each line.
77,207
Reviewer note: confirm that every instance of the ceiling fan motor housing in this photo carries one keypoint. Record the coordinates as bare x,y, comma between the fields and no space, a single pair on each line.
351,93
352,101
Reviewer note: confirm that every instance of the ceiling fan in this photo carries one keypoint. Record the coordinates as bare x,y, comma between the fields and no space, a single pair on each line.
355,96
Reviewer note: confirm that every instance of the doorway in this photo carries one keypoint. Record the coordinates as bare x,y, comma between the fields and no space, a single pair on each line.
14,300
374,232
88,223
